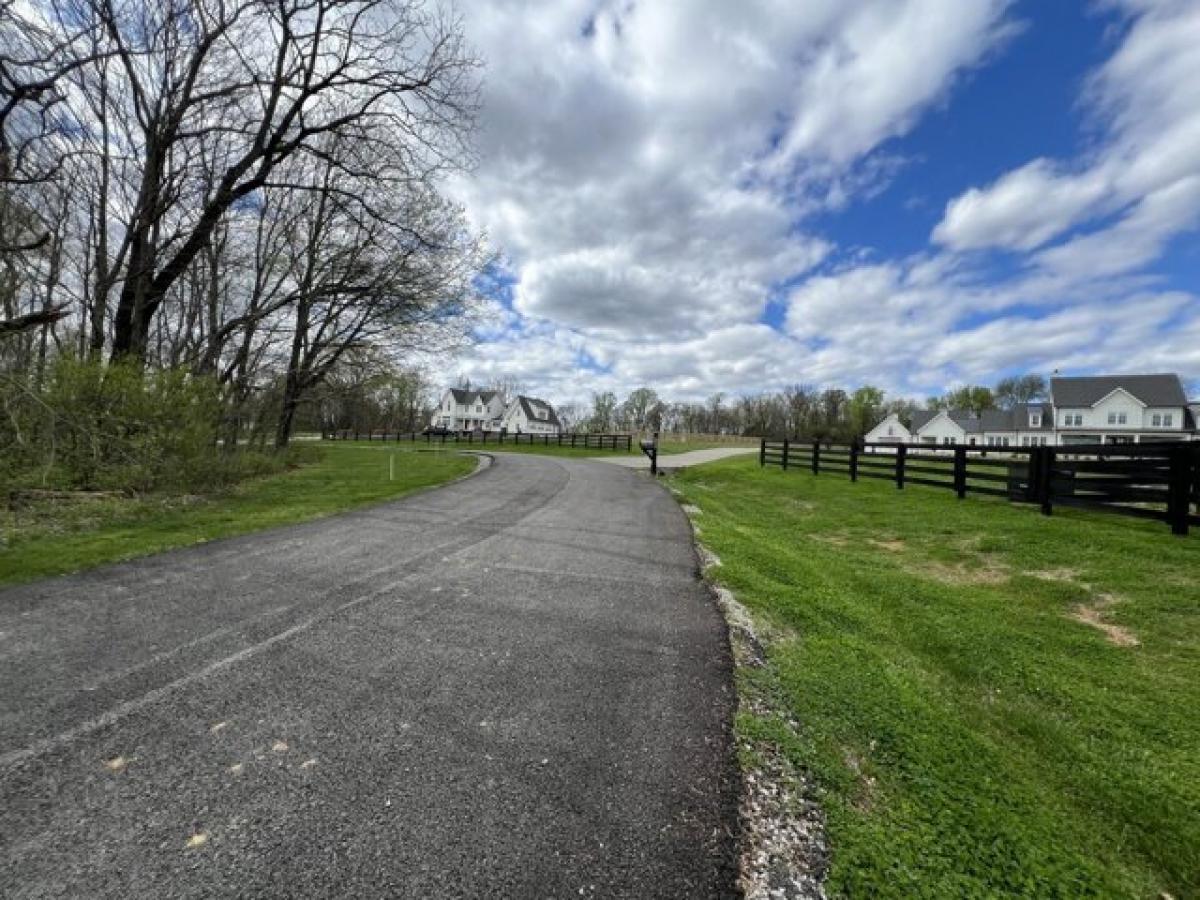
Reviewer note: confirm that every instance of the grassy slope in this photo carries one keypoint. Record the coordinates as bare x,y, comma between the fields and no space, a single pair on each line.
54,540
968,736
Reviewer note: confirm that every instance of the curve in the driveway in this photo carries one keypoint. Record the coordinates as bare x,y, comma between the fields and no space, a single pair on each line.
512,686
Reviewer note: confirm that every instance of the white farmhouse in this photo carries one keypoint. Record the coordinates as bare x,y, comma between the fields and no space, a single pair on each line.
890,431
528,415
1121,409
465,410
1108,409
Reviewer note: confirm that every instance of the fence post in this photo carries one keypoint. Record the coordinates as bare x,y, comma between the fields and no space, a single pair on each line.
1046,481
785,454
762,453
854,459
901,455
960,472
816,458
1180,489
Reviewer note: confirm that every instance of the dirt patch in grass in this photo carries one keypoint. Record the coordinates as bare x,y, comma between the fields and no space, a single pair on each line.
833,540
892,545
1063,575
1093,615
980,571
865,800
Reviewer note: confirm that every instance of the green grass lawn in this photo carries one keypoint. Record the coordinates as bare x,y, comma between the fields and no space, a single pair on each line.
991,702
54,538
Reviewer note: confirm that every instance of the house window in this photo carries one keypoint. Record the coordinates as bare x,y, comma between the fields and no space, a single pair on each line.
1035,420
1156,420
1167,419
1006,442
1122,418
1025,441
1112,418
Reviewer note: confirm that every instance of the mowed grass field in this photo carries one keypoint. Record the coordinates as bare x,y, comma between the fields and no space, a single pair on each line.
991,702
52,538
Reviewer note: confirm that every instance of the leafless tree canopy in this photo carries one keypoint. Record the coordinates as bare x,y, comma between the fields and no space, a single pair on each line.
250,189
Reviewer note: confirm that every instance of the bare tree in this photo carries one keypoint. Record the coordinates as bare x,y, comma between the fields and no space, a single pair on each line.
193,108
388,268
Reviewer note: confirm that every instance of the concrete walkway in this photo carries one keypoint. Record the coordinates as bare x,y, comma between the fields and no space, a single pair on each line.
514,686
677,460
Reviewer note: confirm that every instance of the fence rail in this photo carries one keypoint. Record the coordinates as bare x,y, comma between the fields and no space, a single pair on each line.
1153,481
583,441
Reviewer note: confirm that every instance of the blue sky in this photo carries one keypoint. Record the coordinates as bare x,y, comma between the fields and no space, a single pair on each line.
710,197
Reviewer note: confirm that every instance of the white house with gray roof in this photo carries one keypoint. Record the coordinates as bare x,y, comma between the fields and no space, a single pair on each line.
461,409
529,415
1108,409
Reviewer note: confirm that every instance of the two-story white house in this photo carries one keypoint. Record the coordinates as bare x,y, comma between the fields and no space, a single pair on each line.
529,415
1121,409
466,410
1108,409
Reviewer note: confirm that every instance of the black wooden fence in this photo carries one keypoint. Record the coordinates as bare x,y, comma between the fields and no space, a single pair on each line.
583,441
1153,481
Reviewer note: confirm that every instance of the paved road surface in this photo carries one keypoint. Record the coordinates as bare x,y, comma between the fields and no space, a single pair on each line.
677,460
514,686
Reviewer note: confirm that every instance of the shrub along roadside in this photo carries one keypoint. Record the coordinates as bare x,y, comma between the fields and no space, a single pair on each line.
51,538
95,427
992,703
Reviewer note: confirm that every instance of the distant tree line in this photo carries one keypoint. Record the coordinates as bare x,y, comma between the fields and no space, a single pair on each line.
799,411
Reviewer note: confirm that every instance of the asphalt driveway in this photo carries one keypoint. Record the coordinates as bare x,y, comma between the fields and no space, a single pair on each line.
514,686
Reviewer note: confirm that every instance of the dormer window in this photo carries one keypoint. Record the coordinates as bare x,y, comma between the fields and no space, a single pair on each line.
1035,420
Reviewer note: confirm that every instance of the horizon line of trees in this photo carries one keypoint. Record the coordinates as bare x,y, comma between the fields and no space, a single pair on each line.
796,411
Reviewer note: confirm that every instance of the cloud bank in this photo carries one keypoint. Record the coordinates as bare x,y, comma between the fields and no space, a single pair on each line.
655,177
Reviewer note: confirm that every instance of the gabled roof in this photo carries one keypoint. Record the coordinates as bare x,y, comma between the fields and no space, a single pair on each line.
921,418
464,397
1015,419
964,419
532,406
1163,389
